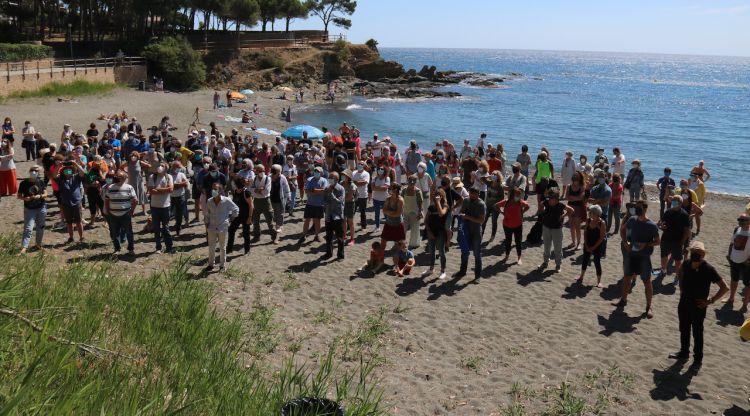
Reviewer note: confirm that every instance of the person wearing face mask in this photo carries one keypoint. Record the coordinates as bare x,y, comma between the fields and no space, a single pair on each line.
280,195
640,235
242,196
495,194
424,184
695,284
315,209
739,261
473,212
600,160
289,171
160,188
33,192
135,168
553,218
69,179
220,212
380,185
334,216
594,235
512,208
178,197
480,178
601,194
8,181
469,165
543,175
665,185
120,200
361,178
350,197
412,210
261,190
634,182
93,181
689,204
675,226
412,158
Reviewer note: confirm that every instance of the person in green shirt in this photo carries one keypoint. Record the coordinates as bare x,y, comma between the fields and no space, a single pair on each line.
542,177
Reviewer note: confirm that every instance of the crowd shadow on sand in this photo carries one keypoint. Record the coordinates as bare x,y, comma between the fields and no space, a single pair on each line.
672,384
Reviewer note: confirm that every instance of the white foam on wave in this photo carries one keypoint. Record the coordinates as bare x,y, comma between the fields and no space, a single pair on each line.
417,100
352,107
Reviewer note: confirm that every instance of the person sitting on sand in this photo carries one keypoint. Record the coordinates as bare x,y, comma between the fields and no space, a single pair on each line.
593,237
256,110
377,258
639,244
245,117
403,261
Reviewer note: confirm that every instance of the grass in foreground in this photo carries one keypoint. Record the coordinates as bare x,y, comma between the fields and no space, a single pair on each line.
57,89
147,345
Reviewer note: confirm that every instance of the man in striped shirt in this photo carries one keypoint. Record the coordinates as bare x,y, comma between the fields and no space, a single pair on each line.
120,202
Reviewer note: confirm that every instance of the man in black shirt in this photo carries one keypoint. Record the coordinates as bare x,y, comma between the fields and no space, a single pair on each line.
675,226
695,283
33,193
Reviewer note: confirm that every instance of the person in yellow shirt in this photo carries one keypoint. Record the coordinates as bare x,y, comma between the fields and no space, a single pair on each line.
185,153
699,187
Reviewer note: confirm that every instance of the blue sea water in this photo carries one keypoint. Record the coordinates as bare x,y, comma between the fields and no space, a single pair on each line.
666,110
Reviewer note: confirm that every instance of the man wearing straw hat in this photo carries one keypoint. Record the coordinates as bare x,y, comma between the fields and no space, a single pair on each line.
695,283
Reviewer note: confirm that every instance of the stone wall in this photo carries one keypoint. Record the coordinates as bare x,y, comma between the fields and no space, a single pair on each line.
32,80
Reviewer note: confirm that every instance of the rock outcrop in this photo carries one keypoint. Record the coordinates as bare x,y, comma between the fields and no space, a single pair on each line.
378,69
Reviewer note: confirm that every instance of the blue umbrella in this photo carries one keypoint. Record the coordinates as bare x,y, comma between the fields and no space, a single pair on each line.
246,92
296,132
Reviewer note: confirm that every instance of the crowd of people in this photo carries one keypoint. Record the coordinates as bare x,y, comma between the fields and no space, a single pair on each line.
346,186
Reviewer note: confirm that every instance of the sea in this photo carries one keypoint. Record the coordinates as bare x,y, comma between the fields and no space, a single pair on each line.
665,110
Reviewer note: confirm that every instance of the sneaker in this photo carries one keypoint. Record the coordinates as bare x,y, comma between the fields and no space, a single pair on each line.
427,272
543,266
442,276
131,253
158,251
558,267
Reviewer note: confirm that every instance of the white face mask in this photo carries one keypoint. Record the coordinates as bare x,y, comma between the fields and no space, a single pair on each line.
420,169
360,168
214,193
160,170
34,174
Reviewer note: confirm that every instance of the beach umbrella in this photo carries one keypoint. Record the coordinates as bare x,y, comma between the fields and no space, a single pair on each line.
236,95
247,91
295,132
285,89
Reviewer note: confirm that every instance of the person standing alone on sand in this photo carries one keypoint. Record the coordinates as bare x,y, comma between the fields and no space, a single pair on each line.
739,256
695,283
644,236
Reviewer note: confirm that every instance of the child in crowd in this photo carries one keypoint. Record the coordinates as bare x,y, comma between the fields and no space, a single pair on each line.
377,258
403,261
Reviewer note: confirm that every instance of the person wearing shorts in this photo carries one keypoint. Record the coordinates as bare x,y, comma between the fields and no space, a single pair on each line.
675,226
644,236
739,259
315,208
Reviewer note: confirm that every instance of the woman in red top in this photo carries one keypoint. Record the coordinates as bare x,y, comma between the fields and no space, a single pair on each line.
513,208
615,203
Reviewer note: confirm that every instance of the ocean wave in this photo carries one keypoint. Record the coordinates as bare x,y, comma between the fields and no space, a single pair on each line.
352,107
417,99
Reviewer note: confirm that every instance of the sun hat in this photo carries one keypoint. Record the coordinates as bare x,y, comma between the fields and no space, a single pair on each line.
456,183
697,245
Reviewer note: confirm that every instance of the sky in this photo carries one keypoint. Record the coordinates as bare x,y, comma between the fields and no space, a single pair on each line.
719,27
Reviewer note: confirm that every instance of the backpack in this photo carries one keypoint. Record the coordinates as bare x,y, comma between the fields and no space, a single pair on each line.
534,237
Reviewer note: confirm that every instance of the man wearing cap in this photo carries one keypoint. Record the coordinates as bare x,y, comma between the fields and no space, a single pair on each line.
640,235
600,160
315,209
739,257
471,219
261,191
135,126
695,283
675,226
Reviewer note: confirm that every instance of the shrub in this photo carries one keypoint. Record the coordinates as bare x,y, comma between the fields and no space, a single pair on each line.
177,62
372,44
341,47
10,52
74,89
268,60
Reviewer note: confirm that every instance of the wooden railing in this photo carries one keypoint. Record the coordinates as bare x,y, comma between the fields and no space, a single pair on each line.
43,67
206,45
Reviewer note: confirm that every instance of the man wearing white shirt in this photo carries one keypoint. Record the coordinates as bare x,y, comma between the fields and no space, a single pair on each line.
361,178
618,161
261,191
220,211
160,187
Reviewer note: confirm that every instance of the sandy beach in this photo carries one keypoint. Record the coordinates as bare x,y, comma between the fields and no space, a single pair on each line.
453,347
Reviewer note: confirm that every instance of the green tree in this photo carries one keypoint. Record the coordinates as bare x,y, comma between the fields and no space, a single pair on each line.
268,11
243,12
292,9
177,62
372,44
333,11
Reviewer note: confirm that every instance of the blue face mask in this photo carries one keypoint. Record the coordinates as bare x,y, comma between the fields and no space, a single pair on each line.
136,142
667,174
316,174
